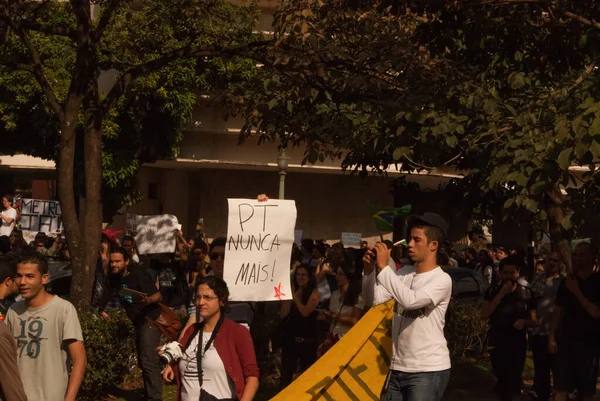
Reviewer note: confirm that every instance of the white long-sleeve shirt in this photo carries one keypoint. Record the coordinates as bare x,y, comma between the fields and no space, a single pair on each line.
421,301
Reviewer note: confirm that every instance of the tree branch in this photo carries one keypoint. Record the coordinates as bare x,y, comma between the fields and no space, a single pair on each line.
17,66
48,29
212,51
105,19
37,69
581,19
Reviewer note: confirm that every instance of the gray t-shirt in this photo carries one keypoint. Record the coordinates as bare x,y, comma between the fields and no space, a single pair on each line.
41,335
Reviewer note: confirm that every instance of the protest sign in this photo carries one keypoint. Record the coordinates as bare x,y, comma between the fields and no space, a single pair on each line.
259,249
298,237
352,239
40,216
154,234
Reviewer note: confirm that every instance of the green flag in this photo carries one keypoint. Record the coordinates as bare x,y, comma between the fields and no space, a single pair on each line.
384,218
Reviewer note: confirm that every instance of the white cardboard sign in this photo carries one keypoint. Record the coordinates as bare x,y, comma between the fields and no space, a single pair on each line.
41,216
259,249
155,234
352,239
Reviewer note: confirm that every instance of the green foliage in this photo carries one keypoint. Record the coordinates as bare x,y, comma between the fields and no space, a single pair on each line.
505,91
465,331
109,347
147,120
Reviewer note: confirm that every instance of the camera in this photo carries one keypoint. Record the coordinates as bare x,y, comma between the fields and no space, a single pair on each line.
171,352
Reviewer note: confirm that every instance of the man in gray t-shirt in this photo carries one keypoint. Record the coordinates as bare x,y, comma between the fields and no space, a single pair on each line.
45,328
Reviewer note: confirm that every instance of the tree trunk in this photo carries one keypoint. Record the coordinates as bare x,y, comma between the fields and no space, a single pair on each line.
66,196
555,202
83,276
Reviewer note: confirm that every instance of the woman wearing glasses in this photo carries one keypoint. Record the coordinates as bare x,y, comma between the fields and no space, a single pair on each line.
299,325
346,305
218,360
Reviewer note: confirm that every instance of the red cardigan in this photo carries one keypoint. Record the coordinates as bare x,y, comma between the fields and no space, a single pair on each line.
236,350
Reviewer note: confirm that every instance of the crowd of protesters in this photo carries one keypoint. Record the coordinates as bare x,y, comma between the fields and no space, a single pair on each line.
554,314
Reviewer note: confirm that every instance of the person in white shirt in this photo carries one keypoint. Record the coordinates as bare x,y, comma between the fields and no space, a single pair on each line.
8,216
420,366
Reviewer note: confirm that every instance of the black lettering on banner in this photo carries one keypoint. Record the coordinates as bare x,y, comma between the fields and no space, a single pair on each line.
25,206
34,206
25,222
252,242
52,209
265,214
240,213
273,270
58,208
318,387
346,389
264,270
251,273
243,273
382,353
45,221
355,373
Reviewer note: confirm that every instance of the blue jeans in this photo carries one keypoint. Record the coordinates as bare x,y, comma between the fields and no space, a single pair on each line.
423,386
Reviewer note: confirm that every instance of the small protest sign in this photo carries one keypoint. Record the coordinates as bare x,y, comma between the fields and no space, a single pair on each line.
259,249
352,239
40,216
298,237
154,234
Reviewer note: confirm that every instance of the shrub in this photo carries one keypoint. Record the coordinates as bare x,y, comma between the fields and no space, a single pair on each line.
109,346
465,330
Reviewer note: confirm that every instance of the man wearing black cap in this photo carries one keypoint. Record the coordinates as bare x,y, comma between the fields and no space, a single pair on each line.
420,366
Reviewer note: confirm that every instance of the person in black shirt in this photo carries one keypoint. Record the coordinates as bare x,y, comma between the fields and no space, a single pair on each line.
577,312
8,286
299,325
511,310
143,310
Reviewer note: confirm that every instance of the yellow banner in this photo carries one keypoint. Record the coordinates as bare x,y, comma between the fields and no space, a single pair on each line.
355,368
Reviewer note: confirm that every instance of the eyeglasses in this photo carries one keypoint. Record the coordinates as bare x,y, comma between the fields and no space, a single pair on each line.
215,255
207,298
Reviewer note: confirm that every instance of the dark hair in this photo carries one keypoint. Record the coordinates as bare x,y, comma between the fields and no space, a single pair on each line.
122,251
443,259
34,258
352,268
335,257
105,239
310,286
432,233
471,252
128,238
219,286
308,244
4,244
8,267
484,258
513,260
219,241
200,244
8,198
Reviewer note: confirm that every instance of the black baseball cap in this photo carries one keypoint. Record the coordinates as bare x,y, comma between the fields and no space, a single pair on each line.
430,219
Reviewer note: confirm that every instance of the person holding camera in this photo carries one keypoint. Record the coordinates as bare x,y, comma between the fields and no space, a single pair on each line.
215,359
510,308
420,365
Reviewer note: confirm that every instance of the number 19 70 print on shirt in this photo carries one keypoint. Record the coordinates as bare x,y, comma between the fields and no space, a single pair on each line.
29,341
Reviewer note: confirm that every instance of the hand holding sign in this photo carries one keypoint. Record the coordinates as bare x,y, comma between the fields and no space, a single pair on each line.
259,248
